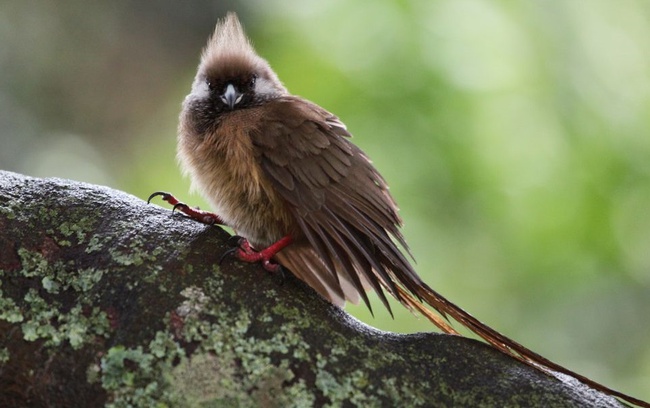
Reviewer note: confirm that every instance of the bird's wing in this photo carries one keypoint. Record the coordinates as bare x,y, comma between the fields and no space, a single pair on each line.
339,200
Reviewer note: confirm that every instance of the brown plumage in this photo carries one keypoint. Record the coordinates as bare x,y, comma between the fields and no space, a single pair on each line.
275,165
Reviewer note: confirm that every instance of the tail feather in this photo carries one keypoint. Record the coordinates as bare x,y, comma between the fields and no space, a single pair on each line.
415,305
448,309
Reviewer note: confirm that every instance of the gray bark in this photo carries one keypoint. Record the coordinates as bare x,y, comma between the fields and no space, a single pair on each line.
106,300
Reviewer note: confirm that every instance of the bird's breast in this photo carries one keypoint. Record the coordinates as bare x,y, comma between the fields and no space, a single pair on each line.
224,168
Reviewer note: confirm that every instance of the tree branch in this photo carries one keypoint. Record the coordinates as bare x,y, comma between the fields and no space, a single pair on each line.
107,300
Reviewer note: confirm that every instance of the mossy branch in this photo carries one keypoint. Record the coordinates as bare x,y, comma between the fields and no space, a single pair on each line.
106,300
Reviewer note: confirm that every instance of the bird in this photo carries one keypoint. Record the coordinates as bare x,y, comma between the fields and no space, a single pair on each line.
282,172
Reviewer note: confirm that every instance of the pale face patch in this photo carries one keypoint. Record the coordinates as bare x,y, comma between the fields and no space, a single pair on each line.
266,87
200,88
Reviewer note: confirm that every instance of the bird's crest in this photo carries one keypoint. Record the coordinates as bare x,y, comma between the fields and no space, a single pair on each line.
229,47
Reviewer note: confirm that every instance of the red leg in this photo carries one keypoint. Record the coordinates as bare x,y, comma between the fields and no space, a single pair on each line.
243,250
205,217
246,253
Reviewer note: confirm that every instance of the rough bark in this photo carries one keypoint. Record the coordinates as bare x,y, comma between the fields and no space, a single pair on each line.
106,300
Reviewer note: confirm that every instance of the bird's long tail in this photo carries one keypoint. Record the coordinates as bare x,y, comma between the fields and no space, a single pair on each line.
508,346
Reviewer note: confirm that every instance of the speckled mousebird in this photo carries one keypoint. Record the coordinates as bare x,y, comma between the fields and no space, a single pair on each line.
282,172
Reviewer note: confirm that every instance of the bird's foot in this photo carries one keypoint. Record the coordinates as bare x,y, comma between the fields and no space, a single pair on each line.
243,251
196,214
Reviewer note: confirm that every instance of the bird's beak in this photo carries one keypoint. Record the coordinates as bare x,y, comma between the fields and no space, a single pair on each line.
231,97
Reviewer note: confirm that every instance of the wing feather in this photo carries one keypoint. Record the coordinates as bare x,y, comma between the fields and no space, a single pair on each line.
340,202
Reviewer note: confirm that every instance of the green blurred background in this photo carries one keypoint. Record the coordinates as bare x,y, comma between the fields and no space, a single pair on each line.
515,136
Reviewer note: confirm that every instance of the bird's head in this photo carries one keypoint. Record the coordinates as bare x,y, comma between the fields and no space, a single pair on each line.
231,75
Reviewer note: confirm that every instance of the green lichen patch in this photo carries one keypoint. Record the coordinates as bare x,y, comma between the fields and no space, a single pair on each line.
9,311
98,243
352,388
135,377
234,368
410,395
131,254
4,355
45,320
57,275
127,374
34,264
42,314
72,227
133,249
77,228
7,209
50,285
204,379
205,382
86,279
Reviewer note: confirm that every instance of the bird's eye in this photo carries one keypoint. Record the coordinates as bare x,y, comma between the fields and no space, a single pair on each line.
251,83
209,84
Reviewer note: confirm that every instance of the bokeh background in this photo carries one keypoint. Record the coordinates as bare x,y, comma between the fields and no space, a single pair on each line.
515,136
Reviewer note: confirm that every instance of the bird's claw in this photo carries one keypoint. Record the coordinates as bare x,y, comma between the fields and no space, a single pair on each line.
243,251
183,207
165,196
196,214
227,253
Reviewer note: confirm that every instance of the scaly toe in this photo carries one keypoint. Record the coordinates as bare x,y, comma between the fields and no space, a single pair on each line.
272,267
